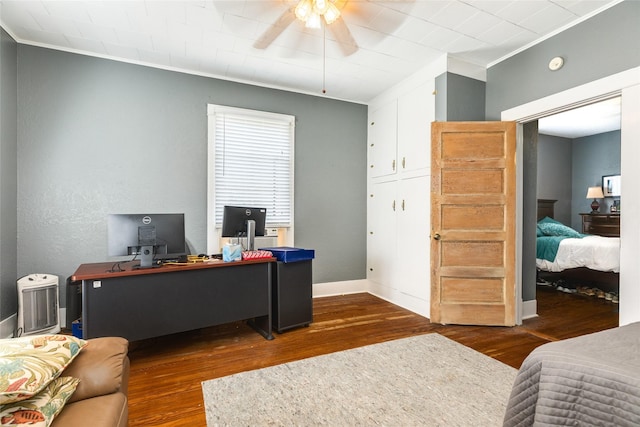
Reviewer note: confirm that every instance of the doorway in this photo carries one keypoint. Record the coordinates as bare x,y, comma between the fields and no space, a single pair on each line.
575,149
626,84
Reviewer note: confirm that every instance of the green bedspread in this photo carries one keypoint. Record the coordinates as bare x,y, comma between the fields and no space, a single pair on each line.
547,247
550,233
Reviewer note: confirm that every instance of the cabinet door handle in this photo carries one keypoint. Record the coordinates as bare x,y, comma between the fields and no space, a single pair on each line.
402,204
436,236
393,205
393,165
404,163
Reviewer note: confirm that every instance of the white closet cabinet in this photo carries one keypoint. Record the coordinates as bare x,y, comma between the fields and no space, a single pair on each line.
398,240
383,136
416,111
381,229
413,227
398,220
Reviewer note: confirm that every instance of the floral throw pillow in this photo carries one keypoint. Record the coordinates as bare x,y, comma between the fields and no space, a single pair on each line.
41,409
29,364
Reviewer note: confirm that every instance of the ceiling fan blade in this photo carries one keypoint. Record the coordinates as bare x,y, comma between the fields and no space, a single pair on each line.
343,36
275,29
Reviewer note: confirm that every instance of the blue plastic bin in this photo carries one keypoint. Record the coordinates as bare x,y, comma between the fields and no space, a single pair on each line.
76,328
288,254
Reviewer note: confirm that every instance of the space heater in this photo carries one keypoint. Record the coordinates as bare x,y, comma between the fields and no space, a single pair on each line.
38,305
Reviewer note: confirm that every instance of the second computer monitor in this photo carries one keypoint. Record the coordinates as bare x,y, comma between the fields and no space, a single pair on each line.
234,220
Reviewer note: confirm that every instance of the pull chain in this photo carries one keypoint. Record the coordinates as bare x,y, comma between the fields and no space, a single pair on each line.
324,57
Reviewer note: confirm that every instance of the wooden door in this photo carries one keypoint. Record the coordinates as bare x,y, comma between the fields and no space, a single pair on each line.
473,191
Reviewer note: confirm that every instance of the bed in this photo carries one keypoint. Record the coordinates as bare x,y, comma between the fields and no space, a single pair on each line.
593,252
589,380
565,254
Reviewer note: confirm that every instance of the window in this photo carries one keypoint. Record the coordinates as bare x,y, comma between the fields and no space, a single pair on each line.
250,164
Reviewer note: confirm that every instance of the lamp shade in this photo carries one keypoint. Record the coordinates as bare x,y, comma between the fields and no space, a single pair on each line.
595,193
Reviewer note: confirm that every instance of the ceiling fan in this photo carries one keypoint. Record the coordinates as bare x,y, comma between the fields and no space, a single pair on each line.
315,14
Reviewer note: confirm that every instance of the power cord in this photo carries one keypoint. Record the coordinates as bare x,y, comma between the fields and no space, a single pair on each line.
116,268
191,259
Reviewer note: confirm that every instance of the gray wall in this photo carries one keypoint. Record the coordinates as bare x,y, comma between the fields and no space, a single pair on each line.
529,170
8,175
592,157
99,136
603,45
567,167
459,98
554,174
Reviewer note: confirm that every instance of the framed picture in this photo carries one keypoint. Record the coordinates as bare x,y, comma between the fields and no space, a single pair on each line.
611,185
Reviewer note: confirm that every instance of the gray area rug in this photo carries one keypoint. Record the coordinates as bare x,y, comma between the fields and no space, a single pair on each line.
427,380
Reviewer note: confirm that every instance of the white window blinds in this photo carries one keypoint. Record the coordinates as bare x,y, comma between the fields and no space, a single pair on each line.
253,162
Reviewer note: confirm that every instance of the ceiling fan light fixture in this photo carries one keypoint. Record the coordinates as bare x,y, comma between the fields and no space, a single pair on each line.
313,21
311,11
332,14
321,6
303,10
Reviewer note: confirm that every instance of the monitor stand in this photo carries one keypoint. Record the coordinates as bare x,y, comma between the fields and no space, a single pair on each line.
146,256
251,234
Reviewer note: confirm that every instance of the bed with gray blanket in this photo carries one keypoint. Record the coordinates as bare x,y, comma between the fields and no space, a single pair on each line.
588,380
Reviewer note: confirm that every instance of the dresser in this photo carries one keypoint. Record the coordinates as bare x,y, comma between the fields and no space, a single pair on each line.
601,224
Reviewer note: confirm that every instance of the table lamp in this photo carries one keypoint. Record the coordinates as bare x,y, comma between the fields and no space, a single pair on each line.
595,193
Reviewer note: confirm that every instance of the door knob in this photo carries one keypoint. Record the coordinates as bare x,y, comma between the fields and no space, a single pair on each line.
436,236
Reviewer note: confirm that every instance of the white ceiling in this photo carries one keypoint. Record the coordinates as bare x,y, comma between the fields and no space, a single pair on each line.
591,119
215,38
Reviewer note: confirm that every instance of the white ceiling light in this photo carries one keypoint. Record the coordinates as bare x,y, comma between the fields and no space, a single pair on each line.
310,11
556,63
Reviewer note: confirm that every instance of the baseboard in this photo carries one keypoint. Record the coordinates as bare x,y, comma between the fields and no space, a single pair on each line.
529,309
329,289
409,302
401,299
413,304
8,326
418,306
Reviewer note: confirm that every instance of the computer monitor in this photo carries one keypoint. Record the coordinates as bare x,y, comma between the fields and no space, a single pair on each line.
150,236
242,221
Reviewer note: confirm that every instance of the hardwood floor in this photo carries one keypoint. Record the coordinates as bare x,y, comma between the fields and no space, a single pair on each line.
166,372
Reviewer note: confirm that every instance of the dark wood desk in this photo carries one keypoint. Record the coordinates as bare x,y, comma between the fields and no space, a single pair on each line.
139,304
